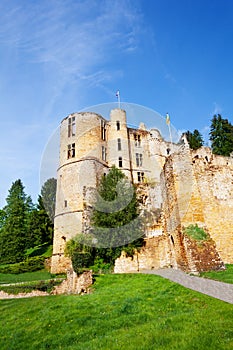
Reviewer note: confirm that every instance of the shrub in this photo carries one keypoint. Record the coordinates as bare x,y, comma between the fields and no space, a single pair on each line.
195,232
29,265
81,261
101,267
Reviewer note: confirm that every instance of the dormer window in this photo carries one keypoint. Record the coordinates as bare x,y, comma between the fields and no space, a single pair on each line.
118,125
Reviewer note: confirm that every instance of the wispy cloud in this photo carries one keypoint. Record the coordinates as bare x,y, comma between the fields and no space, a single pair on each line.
74,42
97,30
217,108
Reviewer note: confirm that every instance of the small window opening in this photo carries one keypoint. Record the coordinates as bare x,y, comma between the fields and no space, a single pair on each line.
138,159
168,151
103,130
172,240
104,153
120,163
71,151
137,139
141,177
71,127
65,203
119,144
118,126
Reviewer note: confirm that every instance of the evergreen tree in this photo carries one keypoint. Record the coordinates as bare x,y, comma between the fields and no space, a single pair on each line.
13,237
48,194
194,139
221,136
39,226
116,224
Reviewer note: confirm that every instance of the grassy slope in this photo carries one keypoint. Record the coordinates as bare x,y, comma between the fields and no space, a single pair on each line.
224,276
125,311
24,277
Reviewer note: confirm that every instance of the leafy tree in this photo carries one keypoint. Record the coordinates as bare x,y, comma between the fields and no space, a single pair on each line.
221,136
13,236
48,194
194,139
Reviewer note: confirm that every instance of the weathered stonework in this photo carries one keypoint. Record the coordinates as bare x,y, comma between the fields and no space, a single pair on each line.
75,284
176,187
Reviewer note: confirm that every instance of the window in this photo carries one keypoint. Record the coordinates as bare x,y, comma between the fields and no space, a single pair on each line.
119,144
137,139
120,162
71,126
65,203
103,130
104,153
118,126
71,151
141,177
138,159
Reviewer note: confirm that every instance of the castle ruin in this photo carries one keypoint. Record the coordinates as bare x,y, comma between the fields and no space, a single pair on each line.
175,185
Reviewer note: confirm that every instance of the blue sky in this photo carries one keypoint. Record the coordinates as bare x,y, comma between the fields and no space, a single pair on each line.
61,56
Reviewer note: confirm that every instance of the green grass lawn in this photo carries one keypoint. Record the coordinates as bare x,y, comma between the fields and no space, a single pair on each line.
132,312
25,277
224,276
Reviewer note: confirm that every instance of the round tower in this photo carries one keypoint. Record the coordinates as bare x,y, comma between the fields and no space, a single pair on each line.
82,163
118,142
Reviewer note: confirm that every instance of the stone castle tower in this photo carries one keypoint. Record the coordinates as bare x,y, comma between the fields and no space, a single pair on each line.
170,179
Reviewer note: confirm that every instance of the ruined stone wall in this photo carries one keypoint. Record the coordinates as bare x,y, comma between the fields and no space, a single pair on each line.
198,190
214,177
182,187
154,254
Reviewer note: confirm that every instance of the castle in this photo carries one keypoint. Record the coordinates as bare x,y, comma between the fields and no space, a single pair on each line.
175,185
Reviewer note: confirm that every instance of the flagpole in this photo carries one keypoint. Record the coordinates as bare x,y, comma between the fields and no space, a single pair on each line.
169,128
118,98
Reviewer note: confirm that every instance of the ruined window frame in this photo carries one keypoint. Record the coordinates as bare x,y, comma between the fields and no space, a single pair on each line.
71,151
139,159
141,176
71,126
137,140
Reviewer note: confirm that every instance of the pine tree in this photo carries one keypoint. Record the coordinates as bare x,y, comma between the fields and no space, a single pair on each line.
48,194
39,226
116,224
194,139
13,237
221,136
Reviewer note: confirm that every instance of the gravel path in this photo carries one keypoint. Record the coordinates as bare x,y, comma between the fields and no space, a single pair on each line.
219,290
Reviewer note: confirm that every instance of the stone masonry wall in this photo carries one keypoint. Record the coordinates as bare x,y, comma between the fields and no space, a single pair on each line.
154,254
